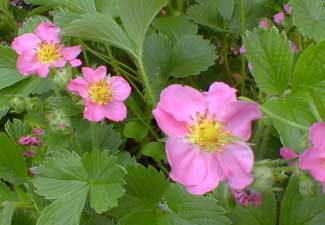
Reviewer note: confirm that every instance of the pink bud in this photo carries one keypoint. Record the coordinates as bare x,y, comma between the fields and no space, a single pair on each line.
29,154
38,131
278,18
264,24
294,47
242,50
287,8
29,140
256,199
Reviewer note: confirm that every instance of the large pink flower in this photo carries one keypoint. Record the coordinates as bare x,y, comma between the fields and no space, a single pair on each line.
103,96
40,51
313,159
206,136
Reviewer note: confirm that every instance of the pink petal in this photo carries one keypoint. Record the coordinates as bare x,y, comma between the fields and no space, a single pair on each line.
120,87
238,117
25,42
75,63
27,63
43,70
116,111
48,32
93,76
60,63
80,86
187,163
288,153
168,124
317,134
182,102
278,18
264,24
219,95
71,53
287,8
237,162
94,112
212,179
313,159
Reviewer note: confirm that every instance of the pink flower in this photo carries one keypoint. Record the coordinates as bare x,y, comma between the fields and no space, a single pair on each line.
103,96
294,47
245,197
278,18
264,24
242,50
313,159
287,8
287,154
40,51
206,136
29,140
38,131
29,154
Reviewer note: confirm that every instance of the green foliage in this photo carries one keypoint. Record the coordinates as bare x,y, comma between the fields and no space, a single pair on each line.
67,179
155,150
309,17
151,200
271,58
74,5
135,130
31,24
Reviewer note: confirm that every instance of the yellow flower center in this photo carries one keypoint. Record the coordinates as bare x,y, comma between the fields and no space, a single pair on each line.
48,53
208,133
100,92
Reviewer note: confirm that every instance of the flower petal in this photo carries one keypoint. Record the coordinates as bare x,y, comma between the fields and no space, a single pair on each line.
238,117
219,95
120,88
188,164
312,159
27,63
43,70
182,102
317,134
71,53
80,86
94,112
25,42
116,111
242,153
48,32
93,76
75,62
168,124
60,63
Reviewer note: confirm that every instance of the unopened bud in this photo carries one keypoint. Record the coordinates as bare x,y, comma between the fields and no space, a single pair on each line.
18,104
263,178
60,122
34,104
62,77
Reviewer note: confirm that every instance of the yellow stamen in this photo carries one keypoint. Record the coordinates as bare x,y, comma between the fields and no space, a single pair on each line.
100,92
48,53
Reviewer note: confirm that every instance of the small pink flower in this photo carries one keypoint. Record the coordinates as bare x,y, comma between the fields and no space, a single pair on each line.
294,47
278,18
206,136
38,131
313,159
287,8
40,51
242,50
29,140
29,154
103,96
264,24
287,154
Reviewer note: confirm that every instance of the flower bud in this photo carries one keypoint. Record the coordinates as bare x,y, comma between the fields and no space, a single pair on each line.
263,178
62,77
34,104
60,122
307,186
18,104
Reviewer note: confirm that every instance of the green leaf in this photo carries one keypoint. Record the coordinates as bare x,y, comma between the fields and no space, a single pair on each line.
263,215
7,213
74,5
225,8
155,150
108,7
16,129
22,88
302,210
309,70
135,130
5,194
175,27
191,55
9,74
63,17
309,17
150,199
65,104
12,164
68,179
292,109
136,17
101,28
271,57
31,24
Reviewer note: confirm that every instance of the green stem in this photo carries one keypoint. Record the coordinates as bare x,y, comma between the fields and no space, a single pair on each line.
180,5
285,169
277,162
243,59
85,54
94,136
26,205
225,43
